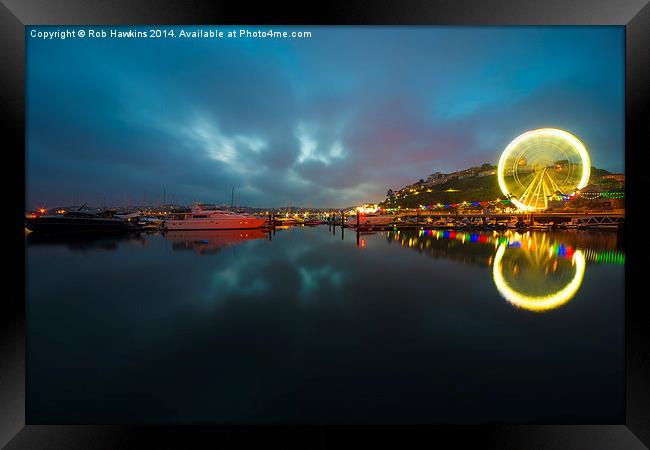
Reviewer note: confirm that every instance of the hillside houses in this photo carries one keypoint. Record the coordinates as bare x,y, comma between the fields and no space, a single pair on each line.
437,178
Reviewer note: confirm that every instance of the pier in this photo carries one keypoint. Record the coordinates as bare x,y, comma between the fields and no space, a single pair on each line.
613,219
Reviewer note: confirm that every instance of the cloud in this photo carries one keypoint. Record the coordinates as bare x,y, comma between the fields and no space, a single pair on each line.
312,150
236,152
321,278
332,121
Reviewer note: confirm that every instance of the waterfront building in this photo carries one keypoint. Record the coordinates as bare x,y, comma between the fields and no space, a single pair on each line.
487,172
620,177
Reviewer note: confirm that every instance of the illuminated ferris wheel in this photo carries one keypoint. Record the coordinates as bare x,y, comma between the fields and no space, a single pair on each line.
540,165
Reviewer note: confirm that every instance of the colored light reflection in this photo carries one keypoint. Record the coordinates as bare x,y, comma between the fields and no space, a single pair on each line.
525,241
538,303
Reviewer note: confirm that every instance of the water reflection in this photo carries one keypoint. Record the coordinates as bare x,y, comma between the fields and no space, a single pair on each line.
305,325
537,271
86,242
206,242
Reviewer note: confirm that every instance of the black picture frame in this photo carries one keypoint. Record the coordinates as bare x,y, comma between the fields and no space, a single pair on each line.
633,14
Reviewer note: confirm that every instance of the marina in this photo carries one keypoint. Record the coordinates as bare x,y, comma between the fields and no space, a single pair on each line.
291,308
199,218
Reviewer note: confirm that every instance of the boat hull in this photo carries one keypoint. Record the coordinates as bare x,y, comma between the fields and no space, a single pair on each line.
228,223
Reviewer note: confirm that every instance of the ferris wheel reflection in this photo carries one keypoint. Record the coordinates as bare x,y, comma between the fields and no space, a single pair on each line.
548,295
534,271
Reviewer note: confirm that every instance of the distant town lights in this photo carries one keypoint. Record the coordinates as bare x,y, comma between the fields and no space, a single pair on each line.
367,209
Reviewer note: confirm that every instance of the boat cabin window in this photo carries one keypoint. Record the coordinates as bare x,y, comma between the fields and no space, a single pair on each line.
177,216
200,217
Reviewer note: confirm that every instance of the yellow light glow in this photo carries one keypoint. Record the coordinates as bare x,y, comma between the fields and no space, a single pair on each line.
573,141
538,303
367,209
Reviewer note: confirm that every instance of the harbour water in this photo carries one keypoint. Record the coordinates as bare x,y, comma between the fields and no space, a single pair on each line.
323,325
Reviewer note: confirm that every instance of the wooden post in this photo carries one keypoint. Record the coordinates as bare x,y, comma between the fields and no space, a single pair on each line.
357,220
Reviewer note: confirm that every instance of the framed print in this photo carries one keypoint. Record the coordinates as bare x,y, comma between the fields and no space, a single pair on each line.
378,223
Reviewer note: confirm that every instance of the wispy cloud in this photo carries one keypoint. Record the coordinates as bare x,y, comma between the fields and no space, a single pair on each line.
313,150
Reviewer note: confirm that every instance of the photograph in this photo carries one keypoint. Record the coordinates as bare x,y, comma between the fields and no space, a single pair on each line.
345,225
325,225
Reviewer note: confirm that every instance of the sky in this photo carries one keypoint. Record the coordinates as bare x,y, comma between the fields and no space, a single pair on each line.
334,120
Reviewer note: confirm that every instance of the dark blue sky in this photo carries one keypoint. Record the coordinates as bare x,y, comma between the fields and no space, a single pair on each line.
333,120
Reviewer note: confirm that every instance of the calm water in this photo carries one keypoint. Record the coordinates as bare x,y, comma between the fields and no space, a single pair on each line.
307,325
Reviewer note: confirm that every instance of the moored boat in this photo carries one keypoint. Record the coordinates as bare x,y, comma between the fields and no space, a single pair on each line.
150,223
515,223
203,217
370,219
78,221
280,221
443,222
146,222
313,222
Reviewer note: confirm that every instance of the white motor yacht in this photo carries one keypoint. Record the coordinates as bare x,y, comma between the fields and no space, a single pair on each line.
203,217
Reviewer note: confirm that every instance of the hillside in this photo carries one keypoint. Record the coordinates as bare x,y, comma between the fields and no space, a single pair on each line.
471,189
454,191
